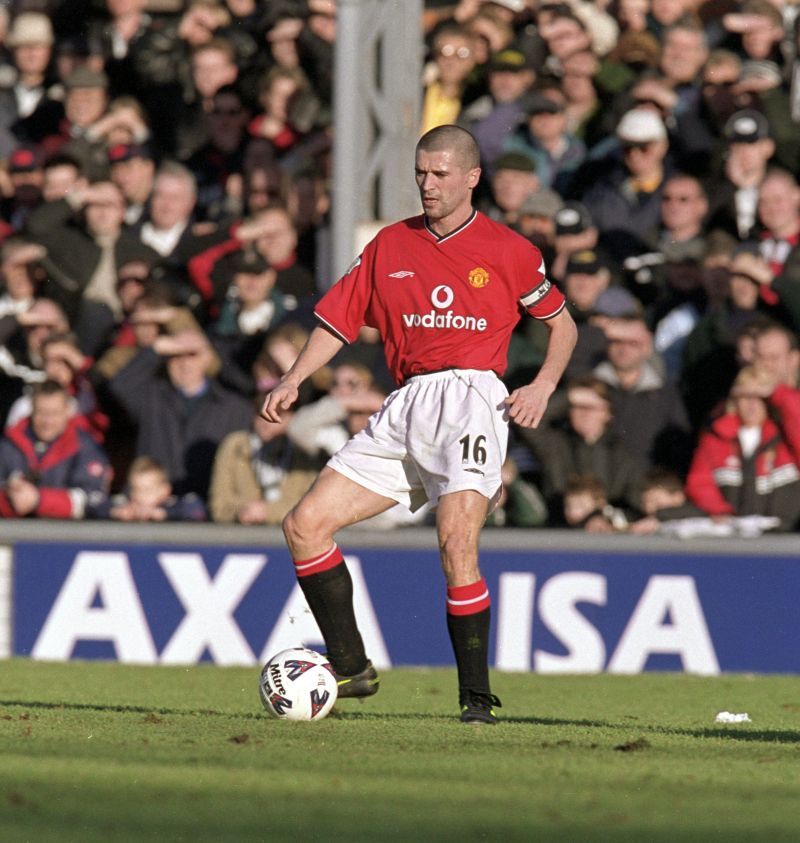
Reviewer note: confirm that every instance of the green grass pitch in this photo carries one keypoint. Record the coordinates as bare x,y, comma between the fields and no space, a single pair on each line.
108,752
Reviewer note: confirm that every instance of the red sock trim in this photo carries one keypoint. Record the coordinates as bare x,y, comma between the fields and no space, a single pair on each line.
324,562
468,599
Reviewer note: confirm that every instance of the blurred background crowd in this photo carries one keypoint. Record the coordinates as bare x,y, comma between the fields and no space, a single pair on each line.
164,235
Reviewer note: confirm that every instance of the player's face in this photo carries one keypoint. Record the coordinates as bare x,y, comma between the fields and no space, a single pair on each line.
445,187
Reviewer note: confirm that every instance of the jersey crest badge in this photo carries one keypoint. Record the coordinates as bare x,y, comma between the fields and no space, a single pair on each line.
478,277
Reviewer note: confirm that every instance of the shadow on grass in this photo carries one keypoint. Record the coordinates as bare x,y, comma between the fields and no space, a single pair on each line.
130,709
743,733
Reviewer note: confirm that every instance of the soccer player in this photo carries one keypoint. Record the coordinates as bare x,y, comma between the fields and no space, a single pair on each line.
445,289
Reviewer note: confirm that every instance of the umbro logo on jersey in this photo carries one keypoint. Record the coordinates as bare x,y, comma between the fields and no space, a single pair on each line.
403,273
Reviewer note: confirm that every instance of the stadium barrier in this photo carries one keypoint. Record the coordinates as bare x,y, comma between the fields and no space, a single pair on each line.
563,602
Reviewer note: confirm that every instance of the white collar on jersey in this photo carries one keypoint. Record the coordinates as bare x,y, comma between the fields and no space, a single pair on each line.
442,237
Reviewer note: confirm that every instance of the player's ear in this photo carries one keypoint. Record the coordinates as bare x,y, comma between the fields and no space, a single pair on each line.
473,177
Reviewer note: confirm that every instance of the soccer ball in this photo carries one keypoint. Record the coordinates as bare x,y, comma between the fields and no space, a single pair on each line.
298,684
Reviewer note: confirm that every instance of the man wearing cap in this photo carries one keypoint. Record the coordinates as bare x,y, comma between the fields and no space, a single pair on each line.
625,203
25,180
85,103
132,168
543,136
26,105
492,117
536,219
734,194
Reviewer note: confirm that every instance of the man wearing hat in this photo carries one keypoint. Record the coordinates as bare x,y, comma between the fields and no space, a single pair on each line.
85,103
625,202
26,104
132,168
543,136
25,177
510,73
734,194
536,219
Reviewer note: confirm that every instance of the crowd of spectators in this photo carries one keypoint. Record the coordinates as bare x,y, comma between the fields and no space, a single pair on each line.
164,234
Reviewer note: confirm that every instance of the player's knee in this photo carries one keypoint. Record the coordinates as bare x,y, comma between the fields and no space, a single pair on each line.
299,527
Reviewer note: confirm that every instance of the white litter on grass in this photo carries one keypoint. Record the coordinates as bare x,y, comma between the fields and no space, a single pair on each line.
730,717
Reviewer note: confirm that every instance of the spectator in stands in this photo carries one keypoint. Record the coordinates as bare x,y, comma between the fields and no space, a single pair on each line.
132,168
80,132
183,414
86,244
22,337
27,106
748,462
259,475
446,79
321,428
536,220
20,274
23,193
684,207
775,350
212,66
586,506
49,467
222,156
64,363
148,497
779,217
710,360
250,308
734,195
62,174
513,181
583,445
663,499
280,88
492,117
648,411
625,203
575,231
543,137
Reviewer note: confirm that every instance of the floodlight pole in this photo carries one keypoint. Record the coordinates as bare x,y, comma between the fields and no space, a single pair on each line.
376,112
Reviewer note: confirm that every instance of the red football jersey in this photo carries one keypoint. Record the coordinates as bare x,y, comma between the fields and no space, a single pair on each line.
441,302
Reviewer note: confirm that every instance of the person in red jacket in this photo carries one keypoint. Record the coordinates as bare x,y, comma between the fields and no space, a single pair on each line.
748,461
49,466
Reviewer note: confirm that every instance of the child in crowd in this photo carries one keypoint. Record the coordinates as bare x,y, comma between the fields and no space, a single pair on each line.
148,497
586,507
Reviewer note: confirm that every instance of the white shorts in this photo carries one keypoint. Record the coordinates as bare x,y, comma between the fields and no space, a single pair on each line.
439,433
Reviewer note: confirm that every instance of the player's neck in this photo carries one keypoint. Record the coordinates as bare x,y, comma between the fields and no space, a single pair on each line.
446,225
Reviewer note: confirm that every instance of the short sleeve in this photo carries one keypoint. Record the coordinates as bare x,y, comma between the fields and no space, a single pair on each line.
344,307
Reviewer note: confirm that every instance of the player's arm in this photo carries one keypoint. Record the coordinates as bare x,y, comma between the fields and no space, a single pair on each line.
319,349
527,404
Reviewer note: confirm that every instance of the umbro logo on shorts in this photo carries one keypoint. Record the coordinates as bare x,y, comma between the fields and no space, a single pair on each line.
475,471
403,273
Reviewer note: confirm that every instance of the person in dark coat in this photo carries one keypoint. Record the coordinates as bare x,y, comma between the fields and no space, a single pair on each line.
181,415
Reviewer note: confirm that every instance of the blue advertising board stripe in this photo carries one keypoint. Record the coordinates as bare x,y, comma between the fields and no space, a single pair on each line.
552,610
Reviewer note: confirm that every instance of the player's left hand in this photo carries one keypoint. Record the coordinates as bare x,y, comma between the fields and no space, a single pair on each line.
527,404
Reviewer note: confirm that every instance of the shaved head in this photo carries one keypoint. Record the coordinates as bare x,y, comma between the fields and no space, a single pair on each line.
452,138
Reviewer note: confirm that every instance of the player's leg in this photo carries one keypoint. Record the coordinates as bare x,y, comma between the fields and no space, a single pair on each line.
333,502
459,518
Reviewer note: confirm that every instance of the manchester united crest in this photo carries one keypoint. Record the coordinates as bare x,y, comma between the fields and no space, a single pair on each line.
478,277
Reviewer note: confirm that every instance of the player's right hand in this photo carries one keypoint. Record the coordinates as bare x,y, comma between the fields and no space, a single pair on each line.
281,398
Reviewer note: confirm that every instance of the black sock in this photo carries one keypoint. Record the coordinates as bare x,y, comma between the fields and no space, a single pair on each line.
329,595
469,635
